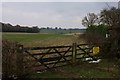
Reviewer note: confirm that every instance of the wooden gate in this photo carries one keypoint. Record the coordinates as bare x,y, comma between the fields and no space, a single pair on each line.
42,58
84,51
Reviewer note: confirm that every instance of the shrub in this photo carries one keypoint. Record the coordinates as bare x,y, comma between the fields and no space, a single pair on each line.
95,34
12,60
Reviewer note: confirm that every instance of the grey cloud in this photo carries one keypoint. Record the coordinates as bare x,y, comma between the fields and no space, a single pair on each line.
50,13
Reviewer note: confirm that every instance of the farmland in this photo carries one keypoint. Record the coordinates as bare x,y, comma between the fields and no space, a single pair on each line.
39,39
81,70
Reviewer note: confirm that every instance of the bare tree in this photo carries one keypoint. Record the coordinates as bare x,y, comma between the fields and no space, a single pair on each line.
111,17
90,20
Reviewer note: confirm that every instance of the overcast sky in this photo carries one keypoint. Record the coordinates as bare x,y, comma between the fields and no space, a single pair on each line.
52,14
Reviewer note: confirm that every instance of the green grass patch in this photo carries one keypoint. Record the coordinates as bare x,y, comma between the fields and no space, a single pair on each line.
88,72
49,75
84,70
24,37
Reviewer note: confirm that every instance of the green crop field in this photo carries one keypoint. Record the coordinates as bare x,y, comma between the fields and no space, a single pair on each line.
24,37
38,39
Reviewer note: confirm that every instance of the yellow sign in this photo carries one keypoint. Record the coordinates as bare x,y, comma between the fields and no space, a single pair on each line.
96,50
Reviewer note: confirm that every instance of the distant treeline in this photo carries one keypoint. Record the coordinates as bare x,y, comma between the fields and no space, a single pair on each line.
57,30
61,31
18,28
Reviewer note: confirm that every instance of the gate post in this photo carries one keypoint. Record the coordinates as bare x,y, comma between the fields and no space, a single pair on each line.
19,61
74,46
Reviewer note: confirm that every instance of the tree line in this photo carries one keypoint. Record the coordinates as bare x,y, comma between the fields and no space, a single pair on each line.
10,28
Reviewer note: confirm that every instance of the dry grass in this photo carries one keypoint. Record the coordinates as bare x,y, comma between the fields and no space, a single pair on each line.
54,42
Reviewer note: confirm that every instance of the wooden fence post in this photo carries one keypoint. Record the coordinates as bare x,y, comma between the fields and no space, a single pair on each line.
20,61
74,46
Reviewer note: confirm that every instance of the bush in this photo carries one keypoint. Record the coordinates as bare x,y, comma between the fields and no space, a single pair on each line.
12,60
95,34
